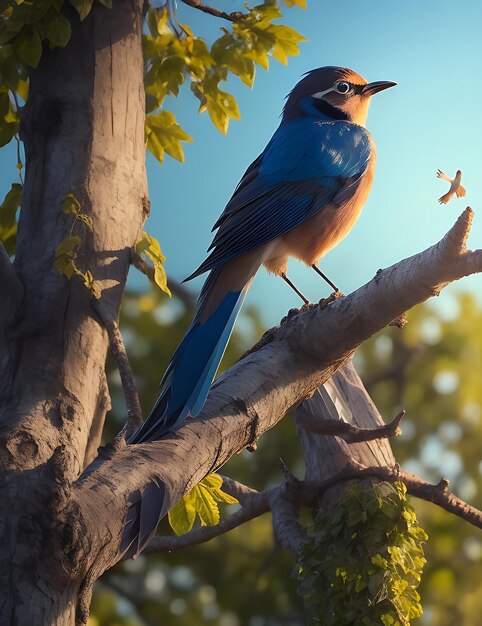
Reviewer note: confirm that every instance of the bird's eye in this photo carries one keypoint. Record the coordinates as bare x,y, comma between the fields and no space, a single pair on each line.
343,87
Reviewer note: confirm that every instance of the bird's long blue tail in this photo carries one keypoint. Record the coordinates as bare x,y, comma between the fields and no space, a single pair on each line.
192,368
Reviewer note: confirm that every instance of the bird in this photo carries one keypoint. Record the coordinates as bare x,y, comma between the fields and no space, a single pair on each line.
455,186
299,198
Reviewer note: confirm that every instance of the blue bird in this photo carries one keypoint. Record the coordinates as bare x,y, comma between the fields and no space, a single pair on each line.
298,199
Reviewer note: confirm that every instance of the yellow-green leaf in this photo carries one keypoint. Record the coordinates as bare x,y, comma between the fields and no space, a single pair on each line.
164,134
181,516
57,29
205,505
28,46
67,246
149,246
83,7
202,501
92,285
214,482
298,3
8,217
70,204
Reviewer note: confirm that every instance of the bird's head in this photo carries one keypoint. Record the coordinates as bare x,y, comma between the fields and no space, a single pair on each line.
335,92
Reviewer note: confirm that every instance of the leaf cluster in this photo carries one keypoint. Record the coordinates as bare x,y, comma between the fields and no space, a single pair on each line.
150,247
8,217
174,53
202,501
67,251
364,560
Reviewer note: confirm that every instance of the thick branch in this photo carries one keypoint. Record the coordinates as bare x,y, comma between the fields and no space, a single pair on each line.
258,391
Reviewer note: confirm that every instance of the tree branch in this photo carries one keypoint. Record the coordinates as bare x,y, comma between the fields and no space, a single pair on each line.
257,504
258,391
236,16
118,349
350,433
437,494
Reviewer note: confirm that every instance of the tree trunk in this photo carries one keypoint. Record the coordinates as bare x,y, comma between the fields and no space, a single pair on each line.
83,129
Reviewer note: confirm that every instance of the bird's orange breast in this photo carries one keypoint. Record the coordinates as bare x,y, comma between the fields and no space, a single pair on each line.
312,239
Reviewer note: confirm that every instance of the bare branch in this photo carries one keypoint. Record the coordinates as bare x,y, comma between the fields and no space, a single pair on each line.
236,489
236,16
348,432
134,411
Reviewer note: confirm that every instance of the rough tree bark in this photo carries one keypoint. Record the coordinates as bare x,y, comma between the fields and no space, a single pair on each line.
63,510
83,129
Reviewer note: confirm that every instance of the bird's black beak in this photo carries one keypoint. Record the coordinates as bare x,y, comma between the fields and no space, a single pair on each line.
379,85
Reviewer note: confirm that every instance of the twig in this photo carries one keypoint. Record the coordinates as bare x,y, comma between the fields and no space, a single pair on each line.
231,17
236,489
348,432
437,494
118,349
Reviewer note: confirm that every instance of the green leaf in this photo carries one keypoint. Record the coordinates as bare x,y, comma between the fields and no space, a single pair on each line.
164,134
182,516
68,246
28,46
57,29
205,505
202,501
214,482
92,285
83,7
70,204
106,3
8,215
149,246
65,255
9,122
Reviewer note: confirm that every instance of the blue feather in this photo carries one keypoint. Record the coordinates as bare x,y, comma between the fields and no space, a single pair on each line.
192,368
308,163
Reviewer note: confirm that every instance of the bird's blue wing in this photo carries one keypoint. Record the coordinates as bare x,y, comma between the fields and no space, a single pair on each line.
307,164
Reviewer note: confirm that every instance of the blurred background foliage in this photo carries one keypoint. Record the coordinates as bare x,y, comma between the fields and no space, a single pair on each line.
431,368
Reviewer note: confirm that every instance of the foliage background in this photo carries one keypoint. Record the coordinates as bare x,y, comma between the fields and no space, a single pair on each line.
431,368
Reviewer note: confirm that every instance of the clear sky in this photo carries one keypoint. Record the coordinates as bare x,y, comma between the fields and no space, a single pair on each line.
432,49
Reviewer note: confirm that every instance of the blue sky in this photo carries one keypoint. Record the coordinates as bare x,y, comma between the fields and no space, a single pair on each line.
432,49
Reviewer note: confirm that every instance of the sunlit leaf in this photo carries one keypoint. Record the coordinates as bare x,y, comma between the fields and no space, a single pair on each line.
149,246
8,217
57,29
70,204
164,134
83,7
28,46
202,501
